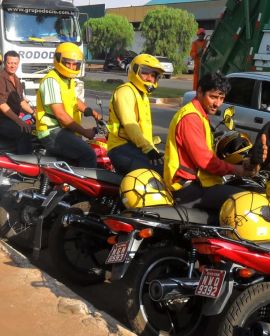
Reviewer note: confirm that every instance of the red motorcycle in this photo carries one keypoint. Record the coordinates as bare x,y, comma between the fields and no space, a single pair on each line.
233,275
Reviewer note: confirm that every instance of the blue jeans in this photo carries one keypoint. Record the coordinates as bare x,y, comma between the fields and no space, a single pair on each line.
12,134
128,157
195,196
68,146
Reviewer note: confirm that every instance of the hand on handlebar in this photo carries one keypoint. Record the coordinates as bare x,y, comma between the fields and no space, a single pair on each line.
89,112
155,157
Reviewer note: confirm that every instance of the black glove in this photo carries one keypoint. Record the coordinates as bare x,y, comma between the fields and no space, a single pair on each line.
257,151
155,157
88,112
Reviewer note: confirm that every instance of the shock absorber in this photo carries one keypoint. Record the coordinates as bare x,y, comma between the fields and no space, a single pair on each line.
192,261
44,184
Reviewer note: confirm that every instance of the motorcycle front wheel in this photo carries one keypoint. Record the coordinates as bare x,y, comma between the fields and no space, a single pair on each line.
148,317
252,306
75,253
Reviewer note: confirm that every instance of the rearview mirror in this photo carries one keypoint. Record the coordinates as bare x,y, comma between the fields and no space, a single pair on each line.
228,117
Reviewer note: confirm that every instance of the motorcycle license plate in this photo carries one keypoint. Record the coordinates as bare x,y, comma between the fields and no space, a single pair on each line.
210,283
118,253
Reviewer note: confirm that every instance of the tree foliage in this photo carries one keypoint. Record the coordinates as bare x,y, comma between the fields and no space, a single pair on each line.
169,32
108,32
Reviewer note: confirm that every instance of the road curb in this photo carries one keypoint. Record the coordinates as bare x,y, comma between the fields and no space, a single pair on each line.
91,320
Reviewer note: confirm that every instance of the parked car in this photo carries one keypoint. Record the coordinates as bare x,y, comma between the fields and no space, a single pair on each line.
118,60
167,66
250,95
188,65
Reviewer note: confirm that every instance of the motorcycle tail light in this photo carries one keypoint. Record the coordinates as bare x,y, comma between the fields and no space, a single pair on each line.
112,240
245,272
118,226
146,233
206,248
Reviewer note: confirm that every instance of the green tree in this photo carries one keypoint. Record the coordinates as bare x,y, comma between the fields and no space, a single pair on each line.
109,32
169,32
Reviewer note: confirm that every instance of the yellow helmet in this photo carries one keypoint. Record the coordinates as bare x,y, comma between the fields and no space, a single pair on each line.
144,187
144,63
68,52
233,147
249,214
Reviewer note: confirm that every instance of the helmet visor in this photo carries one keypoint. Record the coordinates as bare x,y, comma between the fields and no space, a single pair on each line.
71,63
148,71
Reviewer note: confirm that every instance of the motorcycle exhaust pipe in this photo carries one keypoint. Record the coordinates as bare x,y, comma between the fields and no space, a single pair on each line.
260,329
170,289
92,224
20,195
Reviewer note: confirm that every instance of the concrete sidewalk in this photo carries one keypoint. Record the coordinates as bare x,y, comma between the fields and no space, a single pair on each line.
33,303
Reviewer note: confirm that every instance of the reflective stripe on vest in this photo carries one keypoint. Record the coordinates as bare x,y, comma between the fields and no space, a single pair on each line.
46,121
172,161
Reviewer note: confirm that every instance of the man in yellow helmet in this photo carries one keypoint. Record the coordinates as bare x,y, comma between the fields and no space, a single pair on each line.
192,169
58,115
130,142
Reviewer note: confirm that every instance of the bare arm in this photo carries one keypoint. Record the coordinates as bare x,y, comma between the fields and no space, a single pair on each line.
65,120
26,107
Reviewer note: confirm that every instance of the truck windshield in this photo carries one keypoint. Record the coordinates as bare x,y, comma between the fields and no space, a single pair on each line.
22,27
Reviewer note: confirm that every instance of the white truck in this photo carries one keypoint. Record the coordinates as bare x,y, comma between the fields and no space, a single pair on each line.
34,28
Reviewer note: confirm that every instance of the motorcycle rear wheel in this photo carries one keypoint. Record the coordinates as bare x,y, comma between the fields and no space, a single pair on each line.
74,253
17,220
251,306
147,317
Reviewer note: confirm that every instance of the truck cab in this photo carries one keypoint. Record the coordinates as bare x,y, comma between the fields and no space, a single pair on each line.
34,29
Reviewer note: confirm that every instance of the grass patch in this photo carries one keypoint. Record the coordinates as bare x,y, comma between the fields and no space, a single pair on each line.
160,92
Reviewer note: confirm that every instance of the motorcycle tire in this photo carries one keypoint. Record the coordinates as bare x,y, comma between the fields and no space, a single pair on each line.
151,318
74,253
17,220
250,307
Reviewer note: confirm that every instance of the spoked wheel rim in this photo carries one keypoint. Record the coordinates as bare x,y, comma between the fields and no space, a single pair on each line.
80,251
178,319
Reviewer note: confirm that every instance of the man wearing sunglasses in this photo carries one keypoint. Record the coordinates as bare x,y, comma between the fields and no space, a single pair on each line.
130,142
59,110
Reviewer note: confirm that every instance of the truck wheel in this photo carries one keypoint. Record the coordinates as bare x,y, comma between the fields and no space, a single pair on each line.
147,317
17,220
76,254
249,308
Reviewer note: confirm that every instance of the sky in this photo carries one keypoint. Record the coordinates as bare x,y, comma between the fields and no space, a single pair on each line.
111,3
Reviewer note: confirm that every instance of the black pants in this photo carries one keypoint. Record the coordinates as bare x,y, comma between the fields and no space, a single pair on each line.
194,195
13,137
68,146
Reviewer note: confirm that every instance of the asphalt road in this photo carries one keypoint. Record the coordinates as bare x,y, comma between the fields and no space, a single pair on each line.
180,82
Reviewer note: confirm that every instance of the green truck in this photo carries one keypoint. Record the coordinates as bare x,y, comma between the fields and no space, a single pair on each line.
241,39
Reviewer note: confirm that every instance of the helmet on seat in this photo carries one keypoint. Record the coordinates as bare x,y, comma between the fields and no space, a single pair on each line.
65,53
144,187
233,147
249,214
144,63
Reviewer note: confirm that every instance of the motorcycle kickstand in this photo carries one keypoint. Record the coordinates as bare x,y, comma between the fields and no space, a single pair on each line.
48,206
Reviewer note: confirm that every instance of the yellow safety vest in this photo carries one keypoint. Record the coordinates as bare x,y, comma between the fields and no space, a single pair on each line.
172,161
117,134
45,120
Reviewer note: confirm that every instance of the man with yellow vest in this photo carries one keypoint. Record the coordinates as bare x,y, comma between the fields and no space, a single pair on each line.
130,142
58,114
191,168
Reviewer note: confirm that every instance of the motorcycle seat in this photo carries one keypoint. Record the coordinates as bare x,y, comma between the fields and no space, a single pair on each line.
180,214
31,158
99,174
